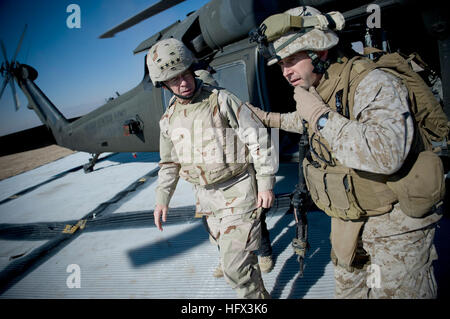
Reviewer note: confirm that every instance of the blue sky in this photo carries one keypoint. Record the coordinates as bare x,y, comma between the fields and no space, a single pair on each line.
77,70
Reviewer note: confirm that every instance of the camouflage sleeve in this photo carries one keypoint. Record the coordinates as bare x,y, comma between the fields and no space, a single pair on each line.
379,139
250,130
291,122
168,174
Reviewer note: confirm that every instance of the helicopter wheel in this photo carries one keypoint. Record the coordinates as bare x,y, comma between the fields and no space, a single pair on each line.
89,167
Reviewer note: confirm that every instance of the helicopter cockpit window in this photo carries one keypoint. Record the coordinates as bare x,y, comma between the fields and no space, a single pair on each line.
232,76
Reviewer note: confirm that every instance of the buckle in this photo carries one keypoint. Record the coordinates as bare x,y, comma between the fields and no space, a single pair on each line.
258,36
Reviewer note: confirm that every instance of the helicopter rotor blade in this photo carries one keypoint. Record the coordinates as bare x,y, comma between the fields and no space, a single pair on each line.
4,53
19,45
14,92
145,14
5,82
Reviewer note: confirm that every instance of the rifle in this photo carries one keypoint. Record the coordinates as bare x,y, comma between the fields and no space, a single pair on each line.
300,202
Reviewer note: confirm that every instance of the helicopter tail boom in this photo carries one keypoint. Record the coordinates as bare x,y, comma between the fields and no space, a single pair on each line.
44,108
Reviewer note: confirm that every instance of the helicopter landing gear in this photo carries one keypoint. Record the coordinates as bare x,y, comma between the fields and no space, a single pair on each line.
89,167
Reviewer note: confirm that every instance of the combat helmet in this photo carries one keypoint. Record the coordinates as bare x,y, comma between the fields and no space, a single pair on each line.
167,59
298,29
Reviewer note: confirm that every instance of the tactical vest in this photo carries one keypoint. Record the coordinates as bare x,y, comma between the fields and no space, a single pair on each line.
351,194
203,140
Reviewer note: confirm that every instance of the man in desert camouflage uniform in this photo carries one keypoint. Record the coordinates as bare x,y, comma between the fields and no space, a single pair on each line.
265,260
378,251
208,137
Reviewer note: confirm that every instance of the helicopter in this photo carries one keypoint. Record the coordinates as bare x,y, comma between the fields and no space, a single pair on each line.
218,35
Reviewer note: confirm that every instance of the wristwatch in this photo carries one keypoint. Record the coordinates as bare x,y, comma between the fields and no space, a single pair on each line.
322,121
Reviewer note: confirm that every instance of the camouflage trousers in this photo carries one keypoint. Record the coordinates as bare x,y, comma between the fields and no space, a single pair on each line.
401,253
238,236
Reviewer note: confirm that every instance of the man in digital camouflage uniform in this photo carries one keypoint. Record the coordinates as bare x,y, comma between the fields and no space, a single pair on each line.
208,137
378,251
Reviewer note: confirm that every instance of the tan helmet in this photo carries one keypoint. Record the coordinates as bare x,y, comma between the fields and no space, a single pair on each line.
301,29
168,58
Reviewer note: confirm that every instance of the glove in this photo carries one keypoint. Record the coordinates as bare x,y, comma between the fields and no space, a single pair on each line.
269,119
310,105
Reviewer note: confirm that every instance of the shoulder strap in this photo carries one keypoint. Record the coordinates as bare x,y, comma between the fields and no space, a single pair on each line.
171,101
216,106
213,98
352,75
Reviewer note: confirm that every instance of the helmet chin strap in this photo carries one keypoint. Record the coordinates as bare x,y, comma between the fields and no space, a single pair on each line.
320,66
183,97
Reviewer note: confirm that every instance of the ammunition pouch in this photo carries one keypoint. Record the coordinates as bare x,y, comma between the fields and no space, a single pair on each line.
422,188
342,193
360,261
347,247
332,193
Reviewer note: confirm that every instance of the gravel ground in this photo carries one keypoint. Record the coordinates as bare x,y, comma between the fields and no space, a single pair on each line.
14,164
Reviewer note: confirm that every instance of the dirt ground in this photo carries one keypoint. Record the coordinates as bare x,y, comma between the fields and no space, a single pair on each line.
11,165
